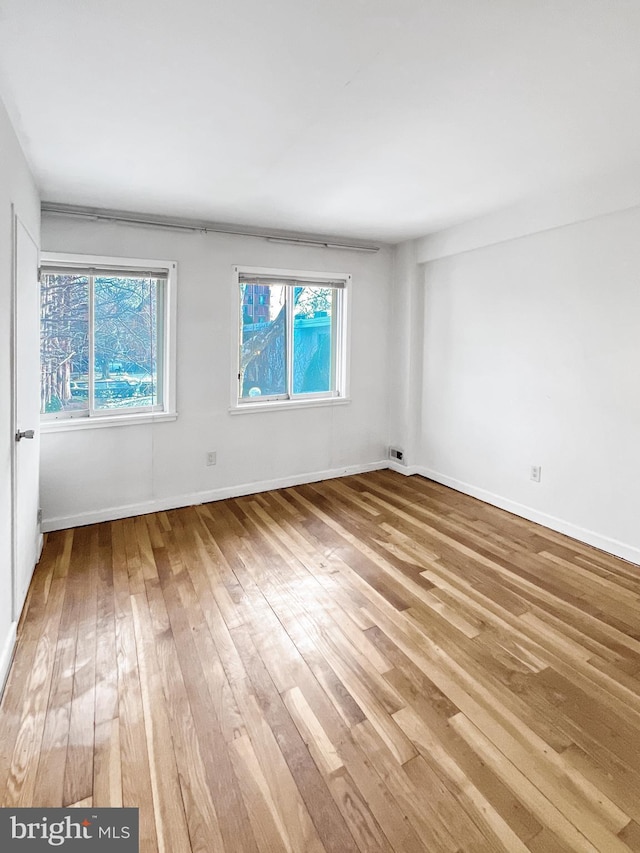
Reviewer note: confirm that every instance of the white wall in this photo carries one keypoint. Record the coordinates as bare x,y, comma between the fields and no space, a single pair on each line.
531,356
93,474
17,188
405,380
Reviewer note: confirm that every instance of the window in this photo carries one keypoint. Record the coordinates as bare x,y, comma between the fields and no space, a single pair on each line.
106,338
292,340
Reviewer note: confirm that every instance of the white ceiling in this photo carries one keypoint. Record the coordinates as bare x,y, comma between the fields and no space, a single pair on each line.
379,119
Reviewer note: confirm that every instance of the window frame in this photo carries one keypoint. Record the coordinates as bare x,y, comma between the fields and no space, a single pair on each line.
340,342
91,417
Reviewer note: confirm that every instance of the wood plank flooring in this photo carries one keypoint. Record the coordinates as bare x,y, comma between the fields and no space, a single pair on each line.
373,664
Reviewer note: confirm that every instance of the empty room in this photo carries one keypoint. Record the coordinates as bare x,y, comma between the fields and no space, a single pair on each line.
320,426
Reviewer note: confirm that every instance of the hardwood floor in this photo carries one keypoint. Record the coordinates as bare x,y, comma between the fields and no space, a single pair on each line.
376,663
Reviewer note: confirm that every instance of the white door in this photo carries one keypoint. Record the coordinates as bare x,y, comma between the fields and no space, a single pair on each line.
26,412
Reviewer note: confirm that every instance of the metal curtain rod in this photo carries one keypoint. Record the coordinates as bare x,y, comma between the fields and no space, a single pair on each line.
204,227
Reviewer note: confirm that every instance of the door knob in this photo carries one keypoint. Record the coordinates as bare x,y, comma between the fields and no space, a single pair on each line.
27,433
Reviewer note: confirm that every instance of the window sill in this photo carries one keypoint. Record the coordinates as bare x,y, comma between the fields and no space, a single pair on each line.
64,424
278,405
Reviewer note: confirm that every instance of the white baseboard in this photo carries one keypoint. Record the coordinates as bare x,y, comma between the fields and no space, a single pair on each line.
582,534
6,656
176,501
611,546
400,468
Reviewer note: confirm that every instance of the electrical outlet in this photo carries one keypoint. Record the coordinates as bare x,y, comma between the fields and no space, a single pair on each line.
536,472
211,457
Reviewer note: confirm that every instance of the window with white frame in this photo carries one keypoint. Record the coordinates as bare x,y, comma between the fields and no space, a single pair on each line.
106,338
292,336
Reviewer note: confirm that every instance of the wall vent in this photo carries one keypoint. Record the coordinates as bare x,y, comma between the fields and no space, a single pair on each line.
396,455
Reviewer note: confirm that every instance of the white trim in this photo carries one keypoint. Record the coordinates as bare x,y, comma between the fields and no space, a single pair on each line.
289,308
13,333
16,606
161,504
341,356
276,405
407,470
306,276
102,261
6,656
582,534
62,425
169,367
588,537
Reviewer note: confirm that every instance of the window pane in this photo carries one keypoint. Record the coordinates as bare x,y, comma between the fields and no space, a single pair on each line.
64,343
262,343
313,330
126,314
